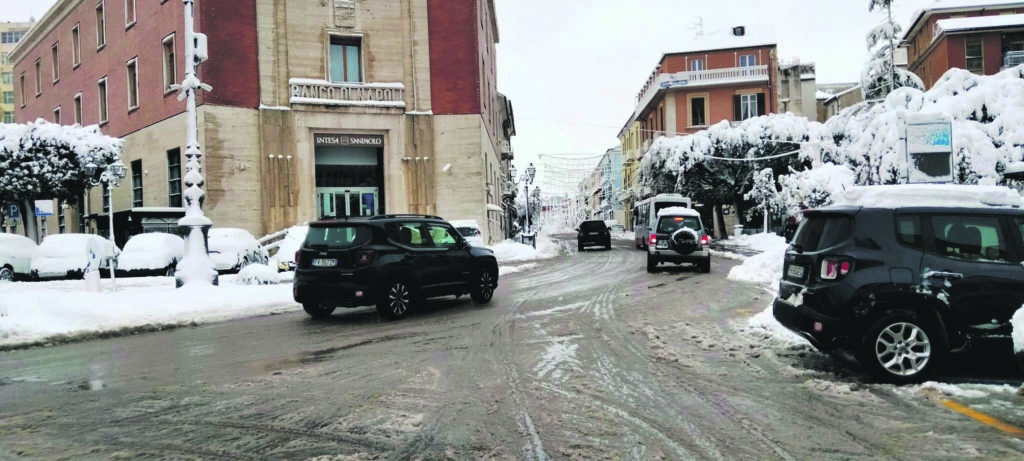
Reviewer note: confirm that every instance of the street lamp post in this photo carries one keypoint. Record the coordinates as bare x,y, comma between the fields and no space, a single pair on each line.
111,176
196,265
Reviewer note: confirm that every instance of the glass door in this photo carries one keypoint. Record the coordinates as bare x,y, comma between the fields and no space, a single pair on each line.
337,202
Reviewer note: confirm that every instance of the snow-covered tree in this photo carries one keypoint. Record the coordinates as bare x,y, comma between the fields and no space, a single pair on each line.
764,195
41,160
881,76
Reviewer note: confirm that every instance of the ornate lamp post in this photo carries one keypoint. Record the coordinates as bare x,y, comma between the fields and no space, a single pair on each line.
531,171
195,267
111,176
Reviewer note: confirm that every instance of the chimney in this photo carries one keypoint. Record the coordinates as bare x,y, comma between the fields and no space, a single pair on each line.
739,31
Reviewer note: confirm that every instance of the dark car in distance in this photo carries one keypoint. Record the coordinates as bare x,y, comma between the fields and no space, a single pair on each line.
389,261
902,287
593,233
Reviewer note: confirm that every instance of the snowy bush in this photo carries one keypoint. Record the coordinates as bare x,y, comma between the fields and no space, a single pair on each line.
258,274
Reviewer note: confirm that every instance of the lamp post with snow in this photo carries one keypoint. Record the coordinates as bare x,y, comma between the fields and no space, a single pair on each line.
196,266
527,179
111,176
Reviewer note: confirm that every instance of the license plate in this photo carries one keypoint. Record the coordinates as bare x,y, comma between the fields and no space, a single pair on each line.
593,233
662,244
795,271
325,262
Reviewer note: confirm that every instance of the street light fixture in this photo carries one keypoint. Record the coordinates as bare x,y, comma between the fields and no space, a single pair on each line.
111,175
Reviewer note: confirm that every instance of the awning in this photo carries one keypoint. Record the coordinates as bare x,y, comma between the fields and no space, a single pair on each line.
493,207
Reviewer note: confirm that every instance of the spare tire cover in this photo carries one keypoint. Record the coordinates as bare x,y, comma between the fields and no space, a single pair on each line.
684,241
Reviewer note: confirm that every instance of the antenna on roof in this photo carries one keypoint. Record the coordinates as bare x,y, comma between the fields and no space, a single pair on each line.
698,27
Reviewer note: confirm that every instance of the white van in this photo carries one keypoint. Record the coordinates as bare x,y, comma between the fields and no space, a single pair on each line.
645,215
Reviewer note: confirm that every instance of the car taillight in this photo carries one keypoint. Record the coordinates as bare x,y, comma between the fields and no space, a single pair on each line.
298,256
365,257
478,232
832,269
654,239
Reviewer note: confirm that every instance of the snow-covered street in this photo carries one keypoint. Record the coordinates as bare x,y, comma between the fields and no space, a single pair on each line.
579,356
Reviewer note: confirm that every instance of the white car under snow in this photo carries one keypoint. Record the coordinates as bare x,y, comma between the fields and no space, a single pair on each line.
232,249
152,253
470,230
71,255
15,256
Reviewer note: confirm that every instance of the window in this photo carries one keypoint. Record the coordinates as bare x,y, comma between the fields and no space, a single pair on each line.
408,234
697,64
5,58
76,46
136,183
21,86
78,108
103,99
11,37
56,115
55,61
133,83
748,106
344,236
129,13
908,231
974,55
971,238
170,63
8,117
822,231
698,111
7,78
39,84
8,97
345,60
61,221
174,178
442,236
106,197
748,60
101,26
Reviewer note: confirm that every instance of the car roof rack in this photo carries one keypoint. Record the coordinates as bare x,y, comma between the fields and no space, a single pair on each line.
406,215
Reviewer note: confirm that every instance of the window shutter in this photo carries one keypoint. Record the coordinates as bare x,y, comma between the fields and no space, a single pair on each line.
737,114
761,108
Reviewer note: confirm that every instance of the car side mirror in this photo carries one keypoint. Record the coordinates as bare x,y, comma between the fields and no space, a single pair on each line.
462,243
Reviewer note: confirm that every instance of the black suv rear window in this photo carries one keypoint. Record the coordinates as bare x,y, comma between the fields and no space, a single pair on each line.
338,236
593,226
821,231
670,224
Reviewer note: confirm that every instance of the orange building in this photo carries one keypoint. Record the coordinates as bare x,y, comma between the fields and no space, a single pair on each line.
730,76
982,36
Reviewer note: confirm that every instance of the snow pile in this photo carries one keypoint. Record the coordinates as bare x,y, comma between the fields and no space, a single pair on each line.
56,311
258,274
290,244
507,270
765,320
766,266
951,390
511,251
1018,331
944,195
151,251
678,211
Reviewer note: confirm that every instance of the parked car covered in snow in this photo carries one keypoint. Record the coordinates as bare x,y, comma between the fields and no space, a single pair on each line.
232,249
469,229
154,253
70,256
15,256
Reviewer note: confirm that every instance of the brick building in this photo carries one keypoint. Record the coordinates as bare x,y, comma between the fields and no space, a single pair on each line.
982,36
341,108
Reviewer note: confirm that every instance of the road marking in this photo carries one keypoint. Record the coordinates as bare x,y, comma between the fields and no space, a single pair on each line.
986,419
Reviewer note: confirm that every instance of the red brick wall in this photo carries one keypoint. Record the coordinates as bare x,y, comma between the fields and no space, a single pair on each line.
233,68
454,57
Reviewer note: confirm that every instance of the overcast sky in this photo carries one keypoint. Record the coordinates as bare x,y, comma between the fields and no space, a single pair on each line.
573,67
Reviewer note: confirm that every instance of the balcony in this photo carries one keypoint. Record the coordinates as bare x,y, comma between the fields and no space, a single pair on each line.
701,79
323,93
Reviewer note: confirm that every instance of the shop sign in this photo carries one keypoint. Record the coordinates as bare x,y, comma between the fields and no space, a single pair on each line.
371,140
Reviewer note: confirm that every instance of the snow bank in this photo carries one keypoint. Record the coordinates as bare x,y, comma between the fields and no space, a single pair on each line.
258,274
511,251
678,211
506,270
290,244
765,320
55,311
939,195
765,267
1018,330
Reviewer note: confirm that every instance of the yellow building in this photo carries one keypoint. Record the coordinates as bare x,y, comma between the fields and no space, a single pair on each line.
10,35
631,138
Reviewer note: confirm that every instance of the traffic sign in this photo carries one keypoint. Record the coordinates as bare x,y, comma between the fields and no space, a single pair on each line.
13,212
44,207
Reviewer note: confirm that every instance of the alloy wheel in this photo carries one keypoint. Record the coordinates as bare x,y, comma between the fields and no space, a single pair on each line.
398,298
486,285
6,274
903,349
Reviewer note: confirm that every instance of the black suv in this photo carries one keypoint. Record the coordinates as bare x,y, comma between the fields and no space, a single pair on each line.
593,233
391,261
903,287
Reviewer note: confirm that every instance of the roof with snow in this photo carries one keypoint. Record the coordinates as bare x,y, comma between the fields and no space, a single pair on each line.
981,22
953,5
678,211
754,35
931,195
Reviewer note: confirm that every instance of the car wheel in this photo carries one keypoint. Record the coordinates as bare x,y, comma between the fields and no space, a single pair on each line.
245,262
396,300
318,311
900,347
652,263
705,266
579,247
6,274
608,246
484,289
170,271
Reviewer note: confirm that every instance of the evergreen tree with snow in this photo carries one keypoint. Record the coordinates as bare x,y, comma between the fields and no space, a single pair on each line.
881,76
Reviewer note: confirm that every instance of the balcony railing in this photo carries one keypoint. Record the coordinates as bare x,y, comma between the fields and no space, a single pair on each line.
1013,59
701,78
322,92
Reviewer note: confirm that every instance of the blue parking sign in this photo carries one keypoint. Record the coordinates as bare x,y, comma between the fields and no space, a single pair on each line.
13,211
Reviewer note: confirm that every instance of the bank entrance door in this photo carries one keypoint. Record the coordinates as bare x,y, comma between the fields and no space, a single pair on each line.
346,202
